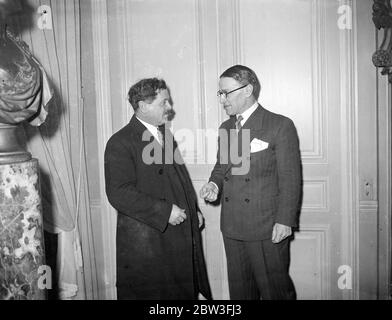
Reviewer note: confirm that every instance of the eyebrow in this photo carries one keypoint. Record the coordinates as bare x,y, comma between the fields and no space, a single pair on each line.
225,90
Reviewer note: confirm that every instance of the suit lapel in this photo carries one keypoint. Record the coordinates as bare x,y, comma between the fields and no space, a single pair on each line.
179,167
140,130
143,137
254,124
226,152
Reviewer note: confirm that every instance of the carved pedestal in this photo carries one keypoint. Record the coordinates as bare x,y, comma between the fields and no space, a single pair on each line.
21,232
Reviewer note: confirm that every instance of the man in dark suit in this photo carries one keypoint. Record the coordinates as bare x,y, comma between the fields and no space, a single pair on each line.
159,251
259,204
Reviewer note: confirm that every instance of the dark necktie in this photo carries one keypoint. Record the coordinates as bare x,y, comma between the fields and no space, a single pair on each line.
238,125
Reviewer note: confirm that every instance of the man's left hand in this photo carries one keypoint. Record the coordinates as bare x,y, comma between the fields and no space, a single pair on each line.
201,218
280,232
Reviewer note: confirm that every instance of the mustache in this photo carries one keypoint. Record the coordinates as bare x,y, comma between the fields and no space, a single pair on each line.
170,114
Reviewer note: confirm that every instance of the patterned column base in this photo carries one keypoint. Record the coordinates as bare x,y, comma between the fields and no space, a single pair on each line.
21,233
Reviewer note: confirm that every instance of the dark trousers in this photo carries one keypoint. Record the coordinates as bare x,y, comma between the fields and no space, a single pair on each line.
259,270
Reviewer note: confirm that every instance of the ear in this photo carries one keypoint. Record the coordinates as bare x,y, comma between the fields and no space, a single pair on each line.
142,106
249,90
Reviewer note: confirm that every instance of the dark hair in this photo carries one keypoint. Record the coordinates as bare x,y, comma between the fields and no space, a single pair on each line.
243,75
145,90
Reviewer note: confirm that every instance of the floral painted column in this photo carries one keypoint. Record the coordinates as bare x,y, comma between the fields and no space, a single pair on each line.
21,232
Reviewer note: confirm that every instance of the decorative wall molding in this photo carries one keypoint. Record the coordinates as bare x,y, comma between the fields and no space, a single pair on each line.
200,153
104,125
368,208
320,187
229,35
384,187
318,154
124,10
320,233
237,32
124,27
349,150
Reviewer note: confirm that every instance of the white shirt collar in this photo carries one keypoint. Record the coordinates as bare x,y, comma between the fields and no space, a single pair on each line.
247,113
153,129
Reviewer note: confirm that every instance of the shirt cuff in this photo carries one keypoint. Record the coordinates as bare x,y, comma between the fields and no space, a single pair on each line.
217,188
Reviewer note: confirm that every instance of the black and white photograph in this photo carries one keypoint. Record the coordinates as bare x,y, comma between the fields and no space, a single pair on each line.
207,152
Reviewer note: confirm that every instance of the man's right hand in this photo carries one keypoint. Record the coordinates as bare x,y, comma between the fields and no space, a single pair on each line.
209,192
177,215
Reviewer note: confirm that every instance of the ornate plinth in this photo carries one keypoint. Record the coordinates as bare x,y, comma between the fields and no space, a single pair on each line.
21,232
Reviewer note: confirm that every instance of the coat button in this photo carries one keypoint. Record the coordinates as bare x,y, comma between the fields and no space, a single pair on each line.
247,180
227,199
226,179
247,200
160,171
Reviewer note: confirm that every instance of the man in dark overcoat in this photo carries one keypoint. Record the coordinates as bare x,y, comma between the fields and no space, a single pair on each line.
159,249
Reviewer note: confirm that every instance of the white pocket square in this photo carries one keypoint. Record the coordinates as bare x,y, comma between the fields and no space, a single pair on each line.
257,145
